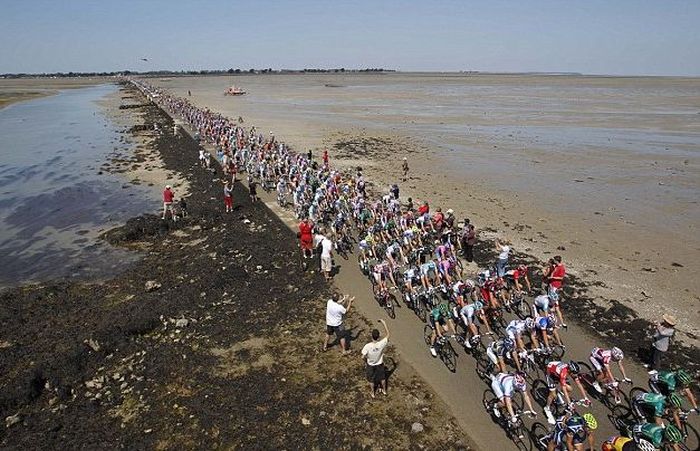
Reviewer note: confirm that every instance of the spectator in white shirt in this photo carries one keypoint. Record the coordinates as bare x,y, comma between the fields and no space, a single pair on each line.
326,257
373,353
335,310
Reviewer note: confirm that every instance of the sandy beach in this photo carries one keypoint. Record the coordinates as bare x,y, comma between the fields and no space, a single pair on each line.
602,170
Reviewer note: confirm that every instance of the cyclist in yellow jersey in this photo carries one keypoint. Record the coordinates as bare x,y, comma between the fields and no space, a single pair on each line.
619,443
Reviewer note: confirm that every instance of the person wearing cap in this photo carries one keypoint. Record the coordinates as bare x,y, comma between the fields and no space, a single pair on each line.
168,197
664,330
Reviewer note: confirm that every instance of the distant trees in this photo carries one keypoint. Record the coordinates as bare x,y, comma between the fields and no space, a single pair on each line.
161,73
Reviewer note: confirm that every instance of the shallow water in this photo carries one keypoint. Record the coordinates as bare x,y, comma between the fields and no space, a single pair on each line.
53,200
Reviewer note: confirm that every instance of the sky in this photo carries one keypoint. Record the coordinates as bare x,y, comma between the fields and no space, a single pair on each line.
615,37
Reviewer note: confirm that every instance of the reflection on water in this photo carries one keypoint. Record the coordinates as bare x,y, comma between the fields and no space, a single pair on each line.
53,201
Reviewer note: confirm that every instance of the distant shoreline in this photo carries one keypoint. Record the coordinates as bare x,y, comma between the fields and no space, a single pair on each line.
8,98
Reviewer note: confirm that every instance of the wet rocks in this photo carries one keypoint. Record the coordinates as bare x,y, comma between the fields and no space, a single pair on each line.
152,285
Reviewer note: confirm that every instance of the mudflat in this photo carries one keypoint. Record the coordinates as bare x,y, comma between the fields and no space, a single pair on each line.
14,90
604,171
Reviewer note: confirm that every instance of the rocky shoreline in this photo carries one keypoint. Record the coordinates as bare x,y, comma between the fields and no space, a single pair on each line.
209,341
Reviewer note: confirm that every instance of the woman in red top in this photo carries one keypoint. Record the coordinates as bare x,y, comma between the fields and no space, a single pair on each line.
555,280
306,237
168,197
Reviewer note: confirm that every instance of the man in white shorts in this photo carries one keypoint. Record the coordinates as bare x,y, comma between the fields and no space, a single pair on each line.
326,257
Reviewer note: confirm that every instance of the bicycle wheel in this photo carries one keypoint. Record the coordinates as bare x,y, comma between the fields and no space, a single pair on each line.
419,309
517,401
692,436
557,352
539,435
484,368
448,356
427,334
540,392
522,309
587,378
389,301
488,400
636,391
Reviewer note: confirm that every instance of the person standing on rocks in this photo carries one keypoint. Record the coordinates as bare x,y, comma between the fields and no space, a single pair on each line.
405,169
326,257
252,188
503,253
663,331
168,197
228,197
373,353
335,312
468,240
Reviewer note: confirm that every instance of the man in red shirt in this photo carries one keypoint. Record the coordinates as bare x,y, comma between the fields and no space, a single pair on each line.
555,281
306,239
168,197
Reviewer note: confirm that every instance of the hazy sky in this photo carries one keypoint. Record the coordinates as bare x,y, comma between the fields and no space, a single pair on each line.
604,37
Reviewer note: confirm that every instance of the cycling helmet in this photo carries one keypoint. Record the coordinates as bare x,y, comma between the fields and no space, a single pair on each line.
574,367
575,425
617,354
683,377
607,446
590,420
469,283
508,344
478,305
675,400
553,295
529,323
551,321
520,383
444,309
672,434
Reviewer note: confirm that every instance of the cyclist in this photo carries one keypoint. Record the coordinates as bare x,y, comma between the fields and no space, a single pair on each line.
440,322
428,274
393,252
673,382
619,443
379,272
521,272
503,386
558,373
572,431
467,314
544,326
498,350
653,406
600,359
515,329
409,277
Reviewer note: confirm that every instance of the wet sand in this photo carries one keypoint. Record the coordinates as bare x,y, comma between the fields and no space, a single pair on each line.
21,89
604,171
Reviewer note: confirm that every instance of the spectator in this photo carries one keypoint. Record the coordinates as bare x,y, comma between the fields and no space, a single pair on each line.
325,158
228,197
168,197
404,168
306,239
335,310
326,257
468,240
252,188
503,253
373,353
556,275
664,330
